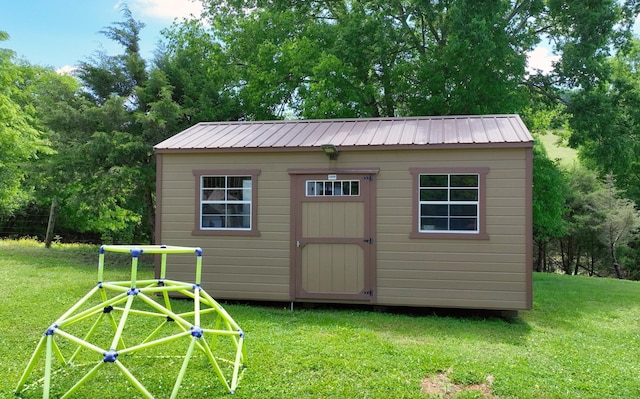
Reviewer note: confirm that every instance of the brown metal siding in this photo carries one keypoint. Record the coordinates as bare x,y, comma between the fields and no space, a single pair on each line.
456,273
492,274
237,267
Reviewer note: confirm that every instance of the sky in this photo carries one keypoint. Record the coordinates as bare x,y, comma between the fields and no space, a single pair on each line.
62,33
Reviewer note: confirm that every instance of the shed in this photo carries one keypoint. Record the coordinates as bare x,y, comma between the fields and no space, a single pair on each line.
415,211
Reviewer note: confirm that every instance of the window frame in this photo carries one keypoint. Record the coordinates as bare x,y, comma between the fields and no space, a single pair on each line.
480,234
199,174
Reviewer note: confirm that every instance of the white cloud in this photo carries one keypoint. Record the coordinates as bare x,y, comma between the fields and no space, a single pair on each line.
541,58
164,9
66,70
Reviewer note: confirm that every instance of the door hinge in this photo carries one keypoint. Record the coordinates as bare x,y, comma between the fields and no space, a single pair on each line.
368,240
368,292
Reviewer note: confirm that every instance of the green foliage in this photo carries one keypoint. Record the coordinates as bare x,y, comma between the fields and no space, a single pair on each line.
201,74
619,221
103,172
600,223
21,140
550,190
605,122
574,343
338,59
579,247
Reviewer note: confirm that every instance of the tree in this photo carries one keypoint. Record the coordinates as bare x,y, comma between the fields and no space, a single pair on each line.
21,141
199,71
605,122
620,221
579,248
382,58
549,197
105,133
336,59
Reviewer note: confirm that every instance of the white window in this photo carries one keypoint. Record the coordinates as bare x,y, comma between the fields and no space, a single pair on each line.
226,202
449,203
333,188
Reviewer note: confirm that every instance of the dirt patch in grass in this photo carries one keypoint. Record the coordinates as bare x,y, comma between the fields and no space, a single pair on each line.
441,386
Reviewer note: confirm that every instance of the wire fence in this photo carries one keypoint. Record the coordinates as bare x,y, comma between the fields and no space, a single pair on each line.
32,223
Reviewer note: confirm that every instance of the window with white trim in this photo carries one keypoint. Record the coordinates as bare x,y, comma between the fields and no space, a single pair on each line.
226,202
332,188
448,203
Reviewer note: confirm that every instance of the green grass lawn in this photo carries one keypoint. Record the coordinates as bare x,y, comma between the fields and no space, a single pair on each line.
581,340
558,150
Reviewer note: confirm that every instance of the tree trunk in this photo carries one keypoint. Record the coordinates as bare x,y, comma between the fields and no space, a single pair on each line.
616,266
577,265
538,266
51,224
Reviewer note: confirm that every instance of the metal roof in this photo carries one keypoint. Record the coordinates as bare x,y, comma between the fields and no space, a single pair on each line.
380,133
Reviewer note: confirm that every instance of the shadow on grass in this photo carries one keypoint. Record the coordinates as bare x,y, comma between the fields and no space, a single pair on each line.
464,324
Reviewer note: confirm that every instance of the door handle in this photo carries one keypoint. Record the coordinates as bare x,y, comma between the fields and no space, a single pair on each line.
298,243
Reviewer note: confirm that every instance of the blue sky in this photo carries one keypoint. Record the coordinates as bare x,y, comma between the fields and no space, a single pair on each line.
63,32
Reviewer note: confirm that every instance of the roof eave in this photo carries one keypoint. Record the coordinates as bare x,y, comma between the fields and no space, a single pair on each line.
398,147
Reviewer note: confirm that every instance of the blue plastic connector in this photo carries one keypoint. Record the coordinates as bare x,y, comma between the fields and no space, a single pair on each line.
133,291
51,330
196,287
110,356
135,252
108,309
160,283
102,250
199,251
241,333
196,332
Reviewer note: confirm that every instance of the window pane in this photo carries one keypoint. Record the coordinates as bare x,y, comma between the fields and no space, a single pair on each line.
238,209
433,195
213,221
328,188
213,209
464,195
311,188
206,194
464,180
346,188
237,181
238,222
464,210
355,187
434,210
213,182
434,180
435,224
235,195
464,224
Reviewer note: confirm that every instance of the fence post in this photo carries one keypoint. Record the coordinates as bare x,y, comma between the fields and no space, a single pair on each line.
51,224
